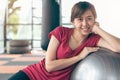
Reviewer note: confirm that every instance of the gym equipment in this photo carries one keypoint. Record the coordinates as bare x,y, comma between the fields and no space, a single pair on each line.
103,64
19,46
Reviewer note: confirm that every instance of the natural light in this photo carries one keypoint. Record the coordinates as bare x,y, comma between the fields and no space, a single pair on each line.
107,12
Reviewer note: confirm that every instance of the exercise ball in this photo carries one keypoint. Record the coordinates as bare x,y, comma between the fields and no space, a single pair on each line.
100,65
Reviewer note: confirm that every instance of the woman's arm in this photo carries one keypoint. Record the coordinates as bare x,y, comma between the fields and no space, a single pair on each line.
107,40
53,64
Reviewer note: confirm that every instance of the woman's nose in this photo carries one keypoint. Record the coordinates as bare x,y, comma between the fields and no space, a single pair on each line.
84,22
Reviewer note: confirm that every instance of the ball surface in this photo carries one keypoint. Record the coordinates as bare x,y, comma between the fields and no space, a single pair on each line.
100,65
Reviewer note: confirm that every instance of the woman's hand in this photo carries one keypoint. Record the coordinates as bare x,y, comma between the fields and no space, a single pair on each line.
95,27
86,51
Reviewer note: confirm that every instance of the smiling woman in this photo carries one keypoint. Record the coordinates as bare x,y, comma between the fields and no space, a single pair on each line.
109,19
63,54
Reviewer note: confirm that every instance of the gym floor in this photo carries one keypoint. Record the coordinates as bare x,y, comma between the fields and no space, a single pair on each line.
12,63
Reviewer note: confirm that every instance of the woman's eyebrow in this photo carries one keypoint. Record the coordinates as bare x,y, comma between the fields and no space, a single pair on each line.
89,16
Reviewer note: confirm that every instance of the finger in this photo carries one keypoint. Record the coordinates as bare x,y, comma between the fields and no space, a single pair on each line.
96,23
94,49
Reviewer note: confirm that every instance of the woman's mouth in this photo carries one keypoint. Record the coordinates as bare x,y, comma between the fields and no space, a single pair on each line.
86,29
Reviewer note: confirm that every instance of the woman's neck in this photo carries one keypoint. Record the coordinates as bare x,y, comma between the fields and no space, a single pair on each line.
78,34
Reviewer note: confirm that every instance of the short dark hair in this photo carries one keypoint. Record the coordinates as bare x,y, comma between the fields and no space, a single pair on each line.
79,8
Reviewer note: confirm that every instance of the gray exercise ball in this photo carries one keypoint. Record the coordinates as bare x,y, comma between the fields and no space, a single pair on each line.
100,65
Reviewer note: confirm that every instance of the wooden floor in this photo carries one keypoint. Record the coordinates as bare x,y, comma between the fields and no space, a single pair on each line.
12,63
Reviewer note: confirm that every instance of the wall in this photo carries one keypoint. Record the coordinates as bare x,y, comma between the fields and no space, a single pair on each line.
108,13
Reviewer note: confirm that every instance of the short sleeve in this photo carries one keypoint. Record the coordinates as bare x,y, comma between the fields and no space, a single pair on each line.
93,39
57,32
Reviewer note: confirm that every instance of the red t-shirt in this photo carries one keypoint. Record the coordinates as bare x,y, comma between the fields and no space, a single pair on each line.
38,72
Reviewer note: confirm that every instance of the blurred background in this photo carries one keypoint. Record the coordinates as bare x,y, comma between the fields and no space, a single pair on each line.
32,20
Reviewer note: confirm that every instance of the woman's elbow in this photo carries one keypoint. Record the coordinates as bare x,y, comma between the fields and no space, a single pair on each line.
48,68
117,49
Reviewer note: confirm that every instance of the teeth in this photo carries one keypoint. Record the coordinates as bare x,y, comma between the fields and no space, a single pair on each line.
85,28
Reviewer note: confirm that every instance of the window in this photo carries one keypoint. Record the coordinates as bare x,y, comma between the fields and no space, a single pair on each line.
2,19
66,11
24,21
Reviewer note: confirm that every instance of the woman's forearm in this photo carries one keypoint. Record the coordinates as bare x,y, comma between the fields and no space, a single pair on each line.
113,41
59,64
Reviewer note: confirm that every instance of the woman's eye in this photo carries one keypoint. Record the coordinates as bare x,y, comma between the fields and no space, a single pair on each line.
80,19
90,18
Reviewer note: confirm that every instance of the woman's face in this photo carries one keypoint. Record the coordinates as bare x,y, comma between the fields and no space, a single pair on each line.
85,23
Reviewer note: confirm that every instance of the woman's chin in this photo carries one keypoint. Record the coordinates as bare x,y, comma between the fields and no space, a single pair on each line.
86,32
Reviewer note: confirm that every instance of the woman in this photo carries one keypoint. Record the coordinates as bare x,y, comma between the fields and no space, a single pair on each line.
68,46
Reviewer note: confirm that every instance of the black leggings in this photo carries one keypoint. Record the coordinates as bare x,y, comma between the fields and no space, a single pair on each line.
19,76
